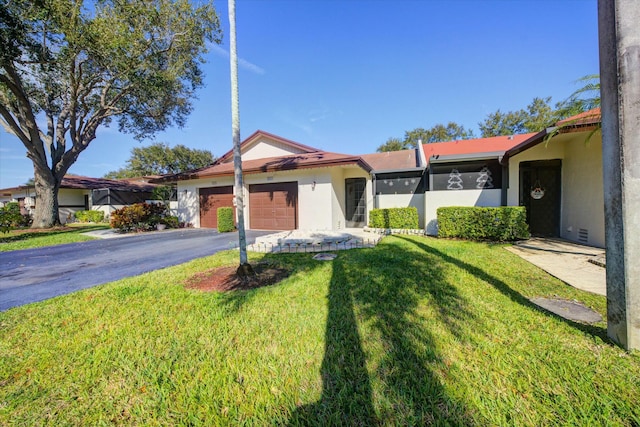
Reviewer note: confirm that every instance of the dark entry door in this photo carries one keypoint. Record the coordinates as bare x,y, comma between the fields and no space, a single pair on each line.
540,184
356,203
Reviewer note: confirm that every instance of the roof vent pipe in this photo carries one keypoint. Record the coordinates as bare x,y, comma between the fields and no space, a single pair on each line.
422,159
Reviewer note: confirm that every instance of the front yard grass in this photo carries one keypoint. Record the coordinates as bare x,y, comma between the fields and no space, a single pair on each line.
27,238
416,331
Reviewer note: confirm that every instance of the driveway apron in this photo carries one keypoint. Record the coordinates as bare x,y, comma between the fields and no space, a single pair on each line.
32,275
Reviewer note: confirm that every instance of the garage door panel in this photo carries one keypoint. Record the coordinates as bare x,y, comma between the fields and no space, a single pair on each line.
274,206
211,199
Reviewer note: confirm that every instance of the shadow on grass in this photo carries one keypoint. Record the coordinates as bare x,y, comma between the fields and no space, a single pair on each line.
375,301
508,291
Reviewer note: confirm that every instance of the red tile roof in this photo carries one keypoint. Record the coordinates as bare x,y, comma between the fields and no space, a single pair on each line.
590,117
495,144
392,160
273,164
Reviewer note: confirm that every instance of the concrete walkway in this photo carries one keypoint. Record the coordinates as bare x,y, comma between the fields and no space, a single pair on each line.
577,265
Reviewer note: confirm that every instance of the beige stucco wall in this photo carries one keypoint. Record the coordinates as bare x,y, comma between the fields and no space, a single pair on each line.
320,205
265,147
437,199
582,196
583,190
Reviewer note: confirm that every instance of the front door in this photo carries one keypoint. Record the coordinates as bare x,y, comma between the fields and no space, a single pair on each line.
540,185
356,203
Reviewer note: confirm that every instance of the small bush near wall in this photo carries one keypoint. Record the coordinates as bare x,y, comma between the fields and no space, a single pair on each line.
225,219
138,217
499,224
402,218
10,217
89,216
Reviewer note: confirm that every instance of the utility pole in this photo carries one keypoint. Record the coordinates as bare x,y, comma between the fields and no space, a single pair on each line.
619,35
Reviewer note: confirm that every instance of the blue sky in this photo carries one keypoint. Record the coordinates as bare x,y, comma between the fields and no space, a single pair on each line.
345,75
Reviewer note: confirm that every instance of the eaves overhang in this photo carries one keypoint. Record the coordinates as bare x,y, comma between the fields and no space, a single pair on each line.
465,157
416,169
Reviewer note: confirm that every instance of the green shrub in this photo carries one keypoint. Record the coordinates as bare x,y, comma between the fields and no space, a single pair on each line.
89,216
399,218
10,217
503,223
225,219
138,217
170,221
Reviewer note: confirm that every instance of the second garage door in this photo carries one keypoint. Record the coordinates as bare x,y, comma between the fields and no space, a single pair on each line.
211,199
273,206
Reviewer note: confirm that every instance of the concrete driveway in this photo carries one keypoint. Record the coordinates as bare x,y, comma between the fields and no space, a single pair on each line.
32,275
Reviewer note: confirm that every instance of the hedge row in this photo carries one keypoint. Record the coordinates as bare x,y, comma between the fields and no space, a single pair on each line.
498,224
225,219
404,218
89,216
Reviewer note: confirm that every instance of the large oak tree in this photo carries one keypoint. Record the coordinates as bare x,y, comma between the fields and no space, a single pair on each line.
67,68
161,159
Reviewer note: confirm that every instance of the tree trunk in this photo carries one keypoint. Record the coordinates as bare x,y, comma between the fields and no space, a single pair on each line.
235,129
46,213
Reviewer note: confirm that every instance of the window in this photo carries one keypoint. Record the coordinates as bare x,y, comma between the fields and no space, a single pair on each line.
400,183
474,175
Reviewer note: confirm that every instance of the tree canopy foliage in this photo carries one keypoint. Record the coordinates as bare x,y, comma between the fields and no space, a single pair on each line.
538,115
438,133
161,159
67,69
535,117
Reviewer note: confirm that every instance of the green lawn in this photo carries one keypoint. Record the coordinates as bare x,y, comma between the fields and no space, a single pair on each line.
416,331
26,239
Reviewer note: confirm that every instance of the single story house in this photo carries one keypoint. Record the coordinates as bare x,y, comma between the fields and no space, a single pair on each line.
287,186
556,174
84,193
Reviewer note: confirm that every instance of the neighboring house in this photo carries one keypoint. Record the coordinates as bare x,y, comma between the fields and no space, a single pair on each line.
84,193
287,186
555,173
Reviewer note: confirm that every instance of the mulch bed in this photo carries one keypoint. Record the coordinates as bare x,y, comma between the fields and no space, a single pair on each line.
223,279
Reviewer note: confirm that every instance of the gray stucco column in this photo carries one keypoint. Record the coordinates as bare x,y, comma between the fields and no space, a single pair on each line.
619,33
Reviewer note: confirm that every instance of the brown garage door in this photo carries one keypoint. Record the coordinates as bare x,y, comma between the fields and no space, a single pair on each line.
211,199
274,206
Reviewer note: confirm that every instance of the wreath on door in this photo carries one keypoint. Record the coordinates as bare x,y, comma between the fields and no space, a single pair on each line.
537,192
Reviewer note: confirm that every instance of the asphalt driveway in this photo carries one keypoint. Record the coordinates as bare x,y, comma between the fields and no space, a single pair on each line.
32,275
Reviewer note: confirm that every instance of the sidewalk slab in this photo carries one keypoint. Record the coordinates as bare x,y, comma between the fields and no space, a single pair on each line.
569,262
